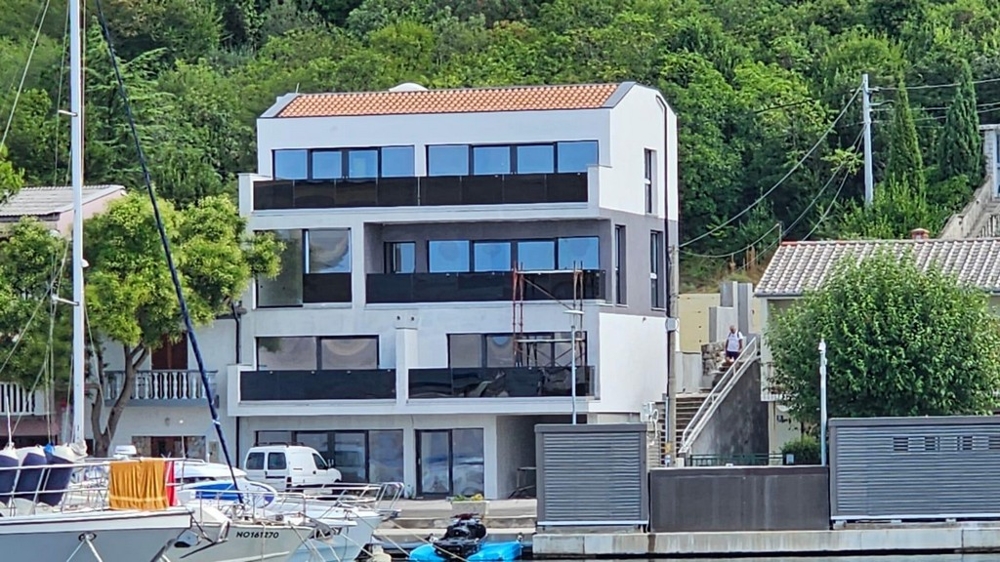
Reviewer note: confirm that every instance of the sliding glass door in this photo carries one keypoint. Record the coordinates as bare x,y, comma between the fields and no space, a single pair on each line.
450,462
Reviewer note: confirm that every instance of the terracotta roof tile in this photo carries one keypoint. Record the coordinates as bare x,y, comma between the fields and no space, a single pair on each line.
800,266
472,100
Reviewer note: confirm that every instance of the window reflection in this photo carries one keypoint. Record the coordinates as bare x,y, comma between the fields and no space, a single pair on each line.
286,288
576,156
535,159
397,162
291,164
492,256
385,455
329,251
465,350
536,255
362,163
327,165
448,160
579,253
448,256
349,353
286,354
490,160
468,473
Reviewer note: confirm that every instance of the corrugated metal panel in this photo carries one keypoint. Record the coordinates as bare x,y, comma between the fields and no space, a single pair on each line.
927,468
592,478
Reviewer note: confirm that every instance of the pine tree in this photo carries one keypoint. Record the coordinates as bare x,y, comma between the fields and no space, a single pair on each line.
960,147
905,166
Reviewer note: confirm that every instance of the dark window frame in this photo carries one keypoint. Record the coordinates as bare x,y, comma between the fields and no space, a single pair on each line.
621,263
649,181
331,441
514,256
390,256
581,337
317,343
513,156
656,273
344,161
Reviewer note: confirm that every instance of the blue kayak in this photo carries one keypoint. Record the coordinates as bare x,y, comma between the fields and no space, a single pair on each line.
506,551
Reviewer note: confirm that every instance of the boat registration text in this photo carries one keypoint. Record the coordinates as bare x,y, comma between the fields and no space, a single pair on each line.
256,535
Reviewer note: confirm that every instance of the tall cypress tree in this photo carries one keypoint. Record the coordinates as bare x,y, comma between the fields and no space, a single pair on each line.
960,147
905,165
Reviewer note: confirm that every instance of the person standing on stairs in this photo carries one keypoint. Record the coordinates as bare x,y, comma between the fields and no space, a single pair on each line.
734,344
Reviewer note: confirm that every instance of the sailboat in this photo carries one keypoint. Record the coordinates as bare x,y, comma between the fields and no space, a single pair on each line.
39,523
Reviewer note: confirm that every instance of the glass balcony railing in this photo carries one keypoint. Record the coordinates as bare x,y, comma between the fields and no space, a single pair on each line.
359,384
428,191
478,287
499,382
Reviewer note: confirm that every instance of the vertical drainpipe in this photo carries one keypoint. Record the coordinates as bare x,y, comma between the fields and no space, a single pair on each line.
672,240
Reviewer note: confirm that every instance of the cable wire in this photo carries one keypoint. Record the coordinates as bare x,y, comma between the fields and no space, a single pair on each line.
797,165
165,241
777,226
24,75
933,86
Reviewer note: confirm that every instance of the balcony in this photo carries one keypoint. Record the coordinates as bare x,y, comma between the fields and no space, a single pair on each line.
499,382
367,384
15,400
429,191
478,287
161,387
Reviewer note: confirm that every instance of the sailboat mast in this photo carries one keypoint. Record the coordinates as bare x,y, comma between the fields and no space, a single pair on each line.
76,168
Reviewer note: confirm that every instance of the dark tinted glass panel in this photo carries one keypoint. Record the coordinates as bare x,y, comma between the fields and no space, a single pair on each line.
397,162
465,350
291,164
468,461
448,256
362,163
499,351
448,160
536,255
582,253
327,165
385,455
286,354
538,159
576,156
490,160
492,256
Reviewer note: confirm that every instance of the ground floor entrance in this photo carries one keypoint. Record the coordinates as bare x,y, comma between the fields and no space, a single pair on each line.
435,456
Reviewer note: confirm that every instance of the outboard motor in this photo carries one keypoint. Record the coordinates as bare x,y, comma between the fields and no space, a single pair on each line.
462,539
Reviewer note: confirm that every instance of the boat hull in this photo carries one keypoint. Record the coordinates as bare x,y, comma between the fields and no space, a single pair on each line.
242,543
506,551
117,536
337,548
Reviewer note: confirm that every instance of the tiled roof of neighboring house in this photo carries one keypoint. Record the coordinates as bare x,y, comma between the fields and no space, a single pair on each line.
50,200
468,100
800,266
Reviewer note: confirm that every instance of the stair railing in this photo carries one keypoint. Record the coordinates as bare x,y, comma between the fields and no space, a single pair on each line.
719,392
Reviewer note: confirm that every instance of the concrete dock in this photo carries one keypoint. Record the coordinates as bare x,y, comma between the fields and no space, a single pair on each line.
908,539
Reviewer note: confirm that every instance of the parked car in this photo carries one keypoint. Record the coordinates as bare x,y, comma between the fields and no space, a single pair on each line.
289,467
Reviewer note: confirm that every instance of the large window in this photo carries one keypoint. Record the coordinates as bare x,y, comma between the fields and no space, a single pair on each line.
545,158
538,349
448,256
656,269
307,260
302,353
463,256
346,163
373,456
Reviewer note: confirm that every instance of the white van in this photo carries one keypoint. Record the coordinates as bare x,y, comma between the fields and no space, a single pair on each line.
289,467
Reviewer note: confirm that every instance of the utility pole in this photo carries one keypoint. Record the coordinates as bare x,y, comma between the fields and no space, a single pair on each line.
673,343
822,401
866,101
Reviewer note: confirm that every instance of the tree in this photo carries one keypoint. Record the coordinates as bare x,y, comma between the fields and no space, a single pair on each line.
905,164
900,342
960,146
34,342
896,210
11,179
130,296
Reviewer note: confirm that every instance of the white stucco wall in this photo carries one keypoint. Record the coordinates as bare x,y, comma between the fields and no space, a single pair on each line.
639,122
632,363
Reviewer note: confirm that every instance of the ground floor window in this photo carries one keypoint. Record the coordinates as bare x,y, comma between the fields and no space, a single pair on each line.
360,455
177,447
450,462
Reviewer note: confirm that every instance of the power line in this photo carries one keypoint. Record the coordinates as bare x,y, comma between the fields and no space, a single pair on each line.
829,208
829,182
797,165
933,86
777,226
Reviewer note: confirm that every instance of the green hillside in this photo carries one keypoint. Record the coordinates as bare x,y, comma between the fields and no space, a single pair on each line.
756,84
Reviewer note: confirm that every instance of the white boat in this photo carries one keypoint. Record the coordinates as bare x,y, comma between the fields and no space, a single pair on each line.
222,538
343,529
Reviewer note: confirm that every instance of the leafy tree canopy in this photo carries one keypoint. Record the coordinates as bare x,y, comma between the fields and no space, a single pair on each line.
900,342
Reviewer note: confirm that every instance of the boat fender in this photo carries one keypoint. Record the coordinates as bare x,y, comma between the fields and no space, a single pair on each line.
379,555
187,539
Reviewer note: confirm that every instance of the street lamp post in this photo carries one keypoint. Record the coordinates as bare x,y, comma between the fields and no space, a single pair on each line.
822,401
574,315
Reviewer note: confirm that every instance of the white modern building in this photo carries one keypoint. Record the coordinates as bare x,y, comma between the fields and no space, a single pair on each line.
440,245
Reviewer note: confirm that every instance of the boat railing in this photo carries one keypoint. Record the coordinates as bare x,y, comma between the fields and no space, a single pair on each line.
380,497
28,490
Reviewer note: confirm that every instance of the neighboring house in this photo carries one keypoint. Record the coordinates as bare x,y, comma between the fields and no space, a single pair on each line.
435,240
800,266
35,417
980,218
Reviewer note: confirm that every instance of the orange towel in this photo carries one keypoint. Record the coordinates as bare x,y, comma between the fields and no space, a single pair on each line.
138,484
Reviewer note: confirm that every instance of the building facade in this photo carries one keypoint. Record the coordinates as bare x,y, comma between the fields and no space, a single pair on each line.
440,246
